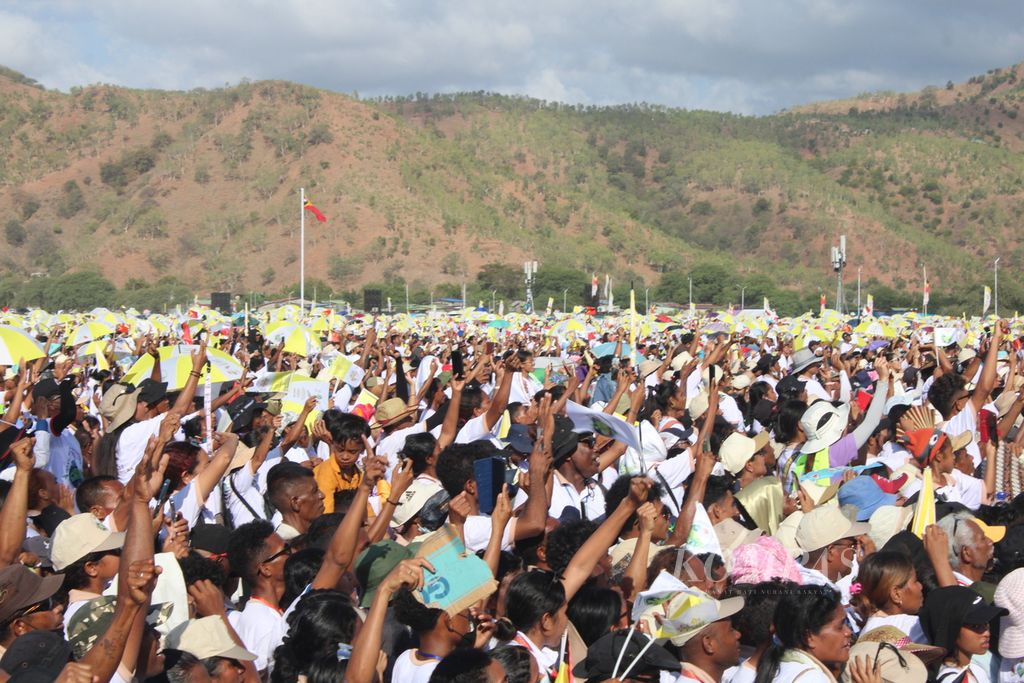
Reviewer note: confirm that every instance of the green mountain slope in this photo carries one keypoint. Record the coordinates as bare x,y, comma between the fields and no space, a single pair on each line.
200,189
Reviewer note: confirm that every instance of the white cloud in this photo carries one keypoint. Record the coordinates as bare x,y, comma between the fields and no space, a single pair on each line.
750,56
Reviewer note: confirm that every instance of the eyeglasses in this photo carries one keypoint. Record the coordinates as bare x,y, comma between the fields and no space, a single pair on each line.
845,543
286,550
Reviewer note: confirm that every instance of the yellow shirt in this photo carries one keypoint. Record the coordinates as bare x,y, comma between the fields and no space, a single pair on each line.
330,480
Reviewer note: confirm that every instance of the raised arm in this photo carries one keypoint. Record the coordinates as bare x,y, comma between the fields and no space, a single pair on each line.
500,399
342,550
137,573
535,513
987,381
367,646
183,406
450,426
401,479
14,513
207,480
705,462
582,564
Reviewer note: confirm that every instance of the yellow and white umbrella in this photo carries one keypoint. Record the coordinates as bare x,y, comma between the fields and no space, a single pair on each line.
299,340
17,345
87,332
176,364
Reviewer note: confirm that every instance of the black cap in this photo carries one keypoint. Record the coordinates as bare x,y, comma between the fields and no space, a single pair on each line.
564,441
1010,550
46,388
151,391
49,517
946,610
213,538
765,362
37,651
790,385
242,410
519,439
601,657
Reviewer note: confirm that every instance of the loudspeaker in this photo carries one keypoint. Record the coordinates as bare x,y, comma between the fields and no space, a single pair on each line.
588,300
221,301
373,299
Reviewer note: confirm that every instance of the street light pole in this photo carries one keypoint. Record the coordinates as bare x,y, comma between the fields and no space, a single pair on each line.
995,267
690,280
647,303
493,293
565,293
743,298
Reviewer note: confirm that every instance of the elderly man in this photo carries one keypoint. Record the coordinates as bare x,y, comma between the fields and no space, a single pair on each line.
971,548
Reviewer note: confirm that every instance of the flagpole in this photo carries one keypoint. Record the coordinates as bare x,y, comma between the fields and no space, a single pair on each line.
302,247
924,271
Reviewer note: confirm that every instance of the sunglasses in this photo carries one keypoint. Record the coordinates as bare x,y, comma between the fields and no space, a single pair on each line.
976,628
46,605
286,550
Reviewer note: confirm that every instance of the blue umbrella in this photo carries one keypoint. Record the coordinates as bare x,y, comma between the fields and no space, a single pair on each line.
498,324
608,348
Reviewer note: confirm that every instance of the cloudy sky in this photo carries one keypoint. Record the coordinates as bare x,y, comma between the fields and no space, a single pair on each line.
748,56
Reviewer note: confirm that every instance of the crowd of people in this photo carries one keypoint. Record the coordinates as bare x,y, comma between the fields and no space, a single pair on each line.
668,503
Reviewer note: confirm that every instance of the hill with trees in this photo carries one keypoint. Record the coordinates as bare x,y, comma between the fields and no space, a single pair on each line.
165,194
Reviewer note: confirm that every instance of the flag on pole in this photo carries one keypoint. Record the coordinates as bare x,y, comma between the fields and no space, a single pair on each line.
869,308
308,206
594,284
821,302
927,292
986,302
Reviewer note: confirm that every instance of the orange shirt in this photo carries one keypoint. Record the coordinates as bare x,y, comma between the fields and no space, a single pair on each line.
330,480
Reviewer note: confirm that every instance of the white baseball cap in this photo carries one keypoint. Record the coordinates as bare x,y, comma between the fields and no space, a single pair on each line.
413,500
79,536
204,638
737,450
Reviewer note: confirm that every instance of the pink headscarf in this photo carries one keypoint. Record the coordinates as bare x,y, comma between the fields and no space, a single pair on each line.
765,559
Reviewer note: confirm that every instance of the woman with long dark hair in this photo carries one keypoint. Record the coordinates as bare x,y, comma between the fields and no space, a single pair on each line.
318,644
812,638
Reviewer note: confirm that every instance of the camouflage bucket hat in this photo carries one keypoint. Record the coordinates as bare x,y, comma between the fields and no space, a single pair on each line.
93,619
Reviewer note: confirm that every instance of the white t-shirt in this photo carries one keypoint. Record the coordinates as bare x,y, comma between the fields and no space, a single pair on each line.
391,444
744,673
1011,671
411,669
966,421
906,623
59,454
975,673
475,429
132,445
261,628
589,502
965,489
816,391
477,531
791,671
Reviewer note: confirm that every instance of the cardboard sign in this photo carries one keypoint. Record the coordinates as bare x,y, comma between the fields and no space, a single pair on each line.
460,579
